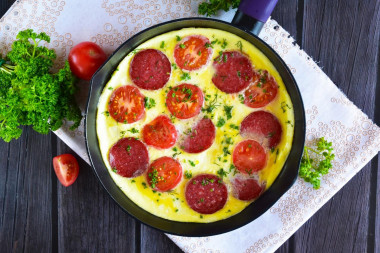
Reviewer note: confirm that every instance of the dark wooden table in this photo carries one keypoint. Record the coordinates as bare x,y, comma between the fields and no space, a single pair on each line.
37,214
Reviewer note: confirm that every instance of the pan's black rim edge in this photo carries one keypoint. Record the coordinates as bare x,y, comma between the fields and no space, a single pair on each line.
300,123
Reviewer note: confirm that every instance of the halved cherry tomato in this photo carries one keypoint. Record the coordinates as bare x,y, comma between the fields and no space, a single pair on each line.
164,174
192,52
262,91
185,101
160,133
249,157
85,58
126,104
66,168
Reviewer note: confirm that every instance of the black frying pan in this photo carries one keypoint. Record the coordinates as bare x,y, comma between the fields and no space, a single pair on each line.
242,25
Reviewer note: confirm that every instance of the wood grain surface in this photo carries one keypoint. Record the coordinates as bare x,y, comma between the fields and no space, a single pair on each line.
37,214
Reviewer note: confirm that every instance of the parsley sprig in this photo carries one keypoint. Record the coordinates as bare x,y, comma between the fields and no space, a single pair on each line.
29,93
311,169
211,7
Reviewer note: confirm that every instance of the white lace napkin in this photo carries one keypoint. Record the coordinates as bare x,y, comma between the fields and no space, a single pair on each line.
329,113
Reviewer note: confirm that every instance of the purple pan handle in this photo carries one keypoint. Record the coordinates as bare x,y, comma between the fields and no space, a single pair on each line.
252,14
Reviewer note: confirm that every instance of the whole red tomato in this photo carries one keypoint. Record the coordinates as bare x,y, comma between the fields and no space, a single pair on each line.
85,58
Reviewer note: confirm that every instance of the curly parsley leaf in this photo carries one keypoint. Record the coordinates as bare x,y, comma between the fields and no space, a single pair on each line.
311,170
30,94
211,7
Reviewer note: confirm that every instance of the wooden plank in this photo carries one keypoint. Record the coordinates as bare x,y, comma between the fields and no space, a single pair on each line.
26,187
88,219
153,240
339,35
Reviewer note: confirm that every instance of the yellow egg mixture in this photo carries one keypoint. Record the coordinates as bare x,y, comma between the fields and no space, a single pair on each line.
172,205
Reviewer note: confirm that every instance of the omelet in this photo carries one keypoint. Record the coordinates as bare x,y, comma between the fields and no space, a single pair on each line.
227,110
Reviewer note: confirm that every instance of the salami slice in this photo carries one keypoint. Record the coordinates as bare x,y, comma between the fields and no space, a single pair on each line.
199,138
263,127
129,157
233,72
249,157
245,188
150,69
206,194
262,91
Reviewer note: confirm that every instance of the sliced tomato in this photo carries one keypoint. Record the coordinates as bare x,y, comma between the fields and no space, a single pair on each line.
66,168
192,52
249,157
126,104
160,133
262,91
185,101
164,174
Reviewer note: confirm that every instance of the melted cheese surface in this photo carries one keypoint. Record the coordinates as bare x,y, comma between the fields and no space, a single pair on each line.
172,205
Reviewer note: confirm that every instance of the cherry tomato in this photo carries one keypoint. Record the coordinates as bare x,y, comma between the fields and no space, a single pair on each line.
160,133
261,92
185,101
85,58
126,104
192,52
164,174
249,157
66,168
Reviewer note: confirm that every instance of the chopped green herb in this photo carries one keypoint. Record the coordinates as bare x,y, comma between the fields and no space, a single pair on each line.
284,105
110,88
153,176
133,130
162,44
239,45
233,126
185,76
149,103
182,46
228,111
114,169
144,185
232,169
224,44
221,173
212,104
107,113
128,148
221,122
133,181
241,98
191,163
188,174
174,66
226,151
